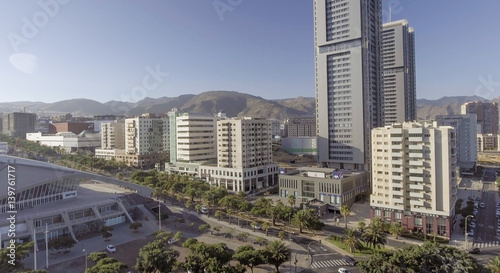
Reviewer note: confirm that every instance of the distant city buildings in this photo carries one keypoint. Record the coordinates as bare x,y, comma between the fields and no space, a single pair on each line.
487,115
349,95
74,127
68,142
244,156
414,176
113,135
466,136
398,52
18,124
300,127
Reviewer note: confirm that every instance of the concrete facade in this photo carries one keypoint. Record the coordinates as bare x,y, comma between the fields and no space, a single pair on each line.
113,135
300,145
349,95
18,124
466,129
398,52
74,127
300,127
330,186
414,176
487,115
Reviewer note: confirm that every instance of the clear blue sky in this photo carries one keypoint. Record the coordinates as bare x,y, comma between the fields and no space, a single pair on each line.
101,50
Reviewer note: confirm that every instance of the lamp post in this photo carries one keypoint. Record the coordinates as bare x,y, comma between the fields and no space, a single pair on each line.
466,238
86,265
159,215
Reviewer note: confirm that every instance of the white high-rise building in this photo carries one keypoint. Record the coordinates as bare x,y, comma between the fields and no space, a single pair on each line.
244,156
414,176
349,95
398,57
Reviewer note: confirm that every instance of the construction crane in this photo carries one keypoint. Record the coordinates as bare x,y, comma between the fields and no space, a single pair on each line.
24,107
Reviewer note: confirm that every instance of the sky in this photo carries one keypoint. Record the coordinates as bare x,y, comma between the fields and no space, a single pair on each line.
127,50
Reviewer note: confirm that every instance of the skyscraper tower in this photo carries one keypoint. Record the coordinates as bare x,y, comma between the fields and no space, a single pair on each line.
349,95
398,57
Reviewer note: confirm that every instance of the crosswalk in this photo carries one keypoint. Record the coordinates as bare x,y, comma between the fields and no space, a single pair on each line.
328,263
486,244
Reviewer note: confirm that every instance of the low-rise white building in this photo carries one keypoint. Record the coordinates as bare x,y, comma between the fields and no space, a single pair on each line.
4,147
67,141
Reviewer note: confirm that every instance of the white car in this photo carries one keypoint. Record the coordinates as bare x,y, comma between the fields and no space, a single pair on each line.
111,248
204,210
173,241
258,227
343,270
482,205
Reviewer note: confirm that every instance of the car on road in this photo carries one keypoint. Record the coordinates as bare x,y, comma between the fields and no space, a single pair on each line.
482,205
472,224
258,227
204,210
471,232
474,251
172,241
350,260
111,248
343,270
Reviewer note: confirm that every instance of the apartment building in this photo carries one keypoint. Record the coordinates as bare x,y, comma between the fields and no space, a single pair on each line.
398,52
466,136
300,127
487,115
244,156
414,176
113,135
349,95
18,124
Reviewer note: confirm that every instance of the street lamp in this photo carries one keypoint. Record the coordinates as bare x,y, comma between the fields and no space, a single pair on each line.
159,215
466,238
85,251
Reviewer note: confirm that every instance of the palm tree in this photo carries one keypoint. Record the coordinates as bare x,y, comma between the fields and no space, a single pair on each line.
291,200
396,229
266,226
351,241
300,219
277,253
494,265
374,236
229,213
218,214
361,226
345,211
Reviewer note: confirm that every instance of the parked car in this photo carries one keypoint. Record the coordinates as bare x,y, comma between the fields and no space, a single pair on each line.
482,205
111,248
204,210
472,224
172,241
471,232
350,260
474,250
343,270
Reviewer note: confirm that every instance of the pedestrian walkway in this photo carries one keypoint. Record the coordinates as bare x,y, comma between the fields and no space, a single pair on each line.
329,263
486,244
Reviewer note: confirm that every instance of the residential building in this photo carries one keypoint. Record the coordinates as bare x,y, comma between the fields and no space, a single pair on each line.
488,143
244,156
487,115
67,141
414,176
74,127
466,136
333,187
300,127
398,59
18,124
349,95
113,135
98,120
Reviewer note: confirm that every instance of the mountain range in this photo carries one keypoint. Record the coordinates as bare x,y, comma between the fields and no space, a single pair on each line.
235,104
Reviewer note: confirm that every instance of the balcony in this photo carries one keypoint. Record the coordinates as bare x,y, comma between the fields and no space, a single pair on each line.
397,170
416,179
398,184
417,194
397,177
397,147
415,139
417,202
399,193
417,170
397,162
416,163
415,147
416,187
416,155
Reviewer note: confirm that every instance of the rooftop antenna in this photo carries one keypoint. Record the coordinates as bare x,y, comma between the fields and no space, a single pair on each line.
390,14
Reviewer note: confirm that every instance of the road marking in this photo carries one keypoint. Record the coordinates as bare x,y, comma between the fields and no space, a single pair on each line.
329,263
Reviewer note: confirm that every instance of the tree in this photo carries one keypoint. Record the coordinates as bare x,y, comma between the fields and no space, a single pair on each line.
135,226
156,257
266,227
281,235
277,253
218,214
300,219
396,229
106,232
361,226
345,211
374,235
96,256
204,227
61,243
351,241
291,200
250,257
189,242
21,252
243,236
253,225
107,265
494,265
164,236
217,229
